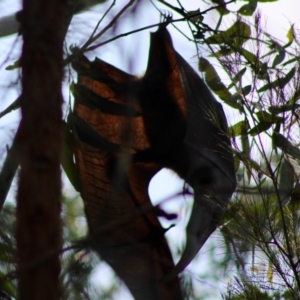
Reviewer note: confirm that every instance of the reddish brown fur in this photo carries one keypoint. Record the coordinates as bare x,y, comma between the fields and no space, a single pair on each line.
123,225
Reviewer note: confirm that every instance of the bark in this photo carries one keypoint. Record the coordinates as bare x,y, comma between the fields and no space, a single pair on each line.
38,232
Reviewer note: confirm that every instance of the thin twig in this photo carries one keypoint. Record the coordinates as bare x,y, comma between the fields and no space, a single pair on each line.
185,18
89,41
111,23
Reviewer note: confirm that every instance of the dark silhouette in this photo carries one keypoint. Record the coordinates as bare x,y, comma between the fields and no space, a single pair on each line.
127,129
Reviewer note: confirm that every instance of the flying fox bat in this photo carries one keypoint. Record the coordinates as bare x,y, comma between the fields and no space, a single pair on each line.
127,129
108,129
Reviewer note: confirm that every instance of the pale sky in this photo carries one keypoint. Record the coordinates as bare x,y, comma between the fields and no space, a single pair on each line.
129,54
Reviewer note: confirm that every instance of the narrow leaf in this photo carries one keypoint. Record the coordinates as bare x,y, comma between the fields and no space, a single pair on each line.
279,58
249,56
235,36
260,127
265,116
213,80
280,82
283,108
248,9
221,7
285,145
238,128
237,77
290,36
246,90
15,65
269,272
286,183
15,105
67,158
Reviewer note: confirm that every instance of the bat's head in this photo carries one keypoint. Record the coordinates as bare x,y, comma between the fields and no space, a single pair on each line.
212,191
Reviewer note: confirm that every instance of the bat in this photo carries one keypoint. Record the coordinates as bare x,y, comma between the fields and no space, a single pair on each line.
108,130
187,129
126,129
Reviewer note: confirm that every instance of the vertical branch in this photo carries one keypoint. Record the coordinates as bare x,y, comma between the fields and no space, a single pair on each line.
40,138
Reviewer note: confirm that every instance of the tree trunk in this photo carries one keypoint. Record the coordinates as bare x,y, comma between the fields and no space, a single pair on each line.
39,138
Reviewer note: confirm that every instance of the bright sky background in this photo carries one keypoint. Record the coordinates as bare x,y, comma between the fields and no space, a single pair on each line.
130,54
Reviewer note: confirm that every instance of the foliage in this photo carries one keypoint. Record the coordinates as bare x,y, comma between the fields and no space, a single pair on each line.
260,230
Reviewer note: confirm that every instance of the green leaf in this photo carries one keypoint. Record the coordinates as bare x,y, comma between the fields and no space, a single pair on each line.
285,145
238,128
283,108
265,116
245,140
246,90
7,285
290,36
280,82
67,158
254,165
261,71
248,9
15,65
15,105
249,56
234,36
203,64
286,183
294,98
237,77
213,80
260,127
224,51
7,253
266,120
279,58
221,7
234,100
291,61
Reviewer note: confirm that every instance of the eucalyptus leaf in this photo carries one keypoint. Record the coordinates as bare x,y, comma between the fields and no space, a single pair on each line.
290,36
246,90
279,58
260,127
248,9
213,80
286,184
234,36
15,65
237,77
283,108
221,7
15,105
285,145
265,116
238,128
67,158
280,82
